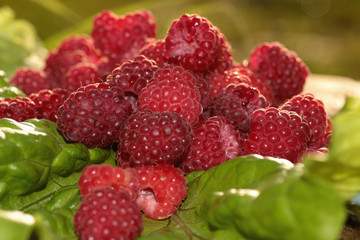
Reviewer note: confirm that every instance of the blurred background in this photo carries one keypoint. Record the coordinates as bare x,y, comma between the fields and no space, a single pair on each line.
324,33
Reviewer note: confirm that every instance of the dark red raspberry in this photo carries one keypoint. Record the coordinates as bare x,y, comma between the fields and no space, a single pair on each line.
19,109
237,103
219,81
106,213
214,141
162,190
121,37
50,101
72,50
79,75
31,80
133,75
155,50
93,114
195,43
172,89
277,133
283,68
150,138
257,81
312,110
97,176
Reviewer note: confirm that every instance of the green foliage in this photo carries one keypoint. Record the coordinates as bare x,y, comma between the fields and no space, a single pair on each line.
19,43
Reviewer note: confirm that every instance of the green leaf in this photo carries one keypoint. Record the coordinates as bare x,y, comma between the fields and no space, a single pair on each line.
298,207
39,168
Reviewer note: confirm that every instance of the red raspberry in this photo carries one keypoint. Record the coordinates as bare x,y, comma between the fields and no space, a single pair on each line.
172,89
257,81
150,138
196,44
162,190
282,67
108,214
72,50
277,133
237,103
97,176
312,110
31,80
19,109
81,74
219,81
121,37
214,141
50,101
93,114
203,85
133,75
155,50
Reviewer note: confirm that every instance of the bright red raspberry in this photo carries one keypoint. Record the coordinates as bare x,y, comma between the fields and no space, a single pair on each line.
283,68
237,103
133,75
79,75
219,81
97,176
72,50
162,190
50,101
277,133
195,43
93,114
19,109
172,89
106,213
151,138
155,50
121,37
312,110
214,141
31,80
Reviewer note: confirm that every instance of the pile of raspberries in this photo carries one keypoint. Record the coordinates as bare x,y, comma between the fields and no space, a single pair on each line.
168,107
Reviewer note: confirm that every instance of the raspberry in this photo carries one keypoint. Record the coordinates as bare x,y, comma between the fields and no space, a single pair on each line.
31,80
97,176
257,81
237,103
50,101
121,37
93,114
162,189
79,75
155,50
203,86
19,109
219,81
277,133
150,138
313,112
214,141
72,50
108,214
172,89
133,75
282,67
195,43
